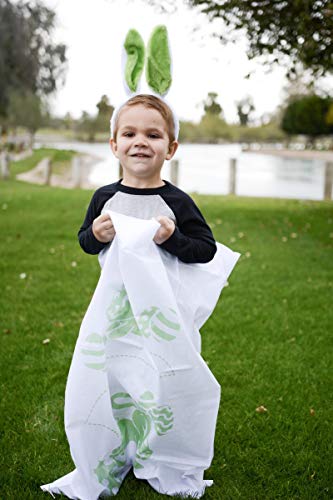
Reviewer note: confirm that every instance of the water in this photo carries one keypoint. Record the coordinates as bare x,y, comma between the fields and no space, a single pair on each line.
204,168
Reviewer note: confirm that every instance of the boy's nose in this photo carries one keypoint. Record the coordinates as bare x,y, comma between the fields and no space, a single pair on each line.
140,140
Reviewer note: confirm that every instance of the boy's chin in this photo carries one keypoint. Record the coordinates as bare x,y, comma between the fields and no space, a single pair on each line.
141,171
142,177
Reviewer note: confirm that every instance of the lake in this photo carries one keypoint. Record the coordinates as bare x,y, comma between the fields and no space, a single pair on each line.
204,168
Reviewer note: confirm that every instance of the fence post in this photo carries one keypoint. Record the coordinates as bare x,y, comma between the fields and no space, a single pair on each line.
76,171
232,175
174,171
48,171
5,165
328,180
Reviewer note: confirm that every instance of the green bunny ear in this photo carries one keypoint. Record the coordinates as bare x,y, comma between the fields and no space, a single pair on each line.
158,68
135,49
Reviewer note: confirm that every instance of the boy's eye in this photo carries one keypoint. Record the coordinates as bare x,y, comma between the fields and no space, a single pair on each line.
151,136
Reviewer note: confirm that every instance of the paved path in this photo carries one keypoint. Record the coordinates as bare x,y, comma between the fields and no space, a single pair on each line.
37,175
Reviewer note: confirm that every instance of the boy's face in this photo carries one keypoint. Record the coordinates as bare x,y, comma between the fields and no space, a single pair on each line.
142,142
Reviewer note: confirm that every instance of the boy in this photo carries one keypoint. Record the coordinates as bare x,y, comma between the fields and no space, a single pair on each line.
143,137
138,393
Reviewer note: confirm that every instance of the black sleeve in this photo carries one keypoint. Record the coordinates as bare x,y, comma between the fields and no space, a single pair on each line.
86,237
192,241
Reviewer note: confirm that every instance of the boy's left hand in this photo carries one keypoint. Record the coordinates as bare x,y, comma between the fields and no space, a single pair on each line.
166,229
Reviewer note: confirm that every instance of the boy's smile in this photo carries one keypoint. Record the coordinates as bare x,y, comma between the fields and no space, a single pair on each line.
142,145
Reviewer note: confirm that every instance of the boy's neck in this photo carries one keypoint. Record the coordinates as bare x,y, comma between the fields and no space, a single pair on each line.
142,183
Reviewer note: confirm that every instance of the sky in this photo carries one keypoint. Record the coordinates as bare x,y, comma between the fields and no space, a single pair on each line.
94,32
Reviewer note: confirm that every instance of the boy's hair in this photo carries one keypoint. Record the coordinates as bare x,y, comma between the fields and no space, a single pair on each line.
153,102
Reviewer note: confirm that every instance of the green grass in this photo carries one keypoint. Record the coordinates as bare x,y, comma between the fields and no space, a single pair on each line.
61,161
269,342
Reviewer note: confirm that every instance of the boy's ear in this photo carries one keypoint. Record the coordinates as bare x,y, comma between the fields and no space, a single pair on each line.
114,148
173,146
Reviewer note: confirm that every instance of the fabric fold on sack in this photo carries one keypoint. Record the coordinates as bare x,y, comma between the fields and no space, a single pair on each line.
138,394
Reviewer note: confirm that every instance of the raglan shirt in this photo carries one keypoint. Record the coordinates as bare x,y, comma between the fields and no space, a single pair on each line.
192,240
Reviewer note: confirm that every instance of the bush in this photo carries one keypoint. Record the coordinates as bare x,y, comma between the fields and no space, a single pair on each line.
308,116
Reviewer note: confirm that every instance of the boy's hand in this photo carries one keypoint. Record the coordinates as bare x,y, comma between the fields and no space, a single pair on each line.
103,228
165,231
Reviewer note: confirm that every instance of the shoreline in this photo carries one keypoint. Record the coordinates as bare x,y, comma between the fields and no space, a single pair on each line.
287,153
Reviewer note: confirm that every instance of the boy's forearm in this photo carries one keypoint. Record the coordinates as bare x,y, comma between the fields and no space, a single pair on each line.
88,242
188,249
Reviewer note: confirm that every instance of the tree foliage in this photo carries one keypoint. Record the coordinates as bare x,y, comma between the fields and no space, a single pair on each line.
329,116
302,30
212,128
211,106
25,110
105,110
309,115
30,61
244,109
89,125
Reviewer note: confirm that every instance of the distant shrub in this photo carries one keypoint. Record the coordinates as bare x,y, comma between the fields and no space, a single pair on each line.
308,116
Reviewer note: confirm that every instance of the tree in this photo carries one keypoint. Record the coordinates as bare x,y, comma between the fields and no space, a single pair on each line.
244,110
212,126
211,106
329,116
308,116
301,30
88,126
26,110
104,107
30,62
105,110
68,121
299,86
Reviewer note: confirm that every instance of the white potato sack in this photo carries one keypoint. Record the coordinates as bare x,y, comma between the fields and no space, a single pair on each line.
138,392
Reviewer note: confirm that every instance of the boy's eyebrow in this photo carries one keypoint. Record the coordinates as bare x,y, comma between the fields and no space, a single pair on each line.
154,129
127,126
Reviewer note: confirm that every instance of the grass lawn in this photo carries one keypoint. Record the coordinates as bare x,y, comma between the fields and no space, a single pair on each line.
61,161
269,342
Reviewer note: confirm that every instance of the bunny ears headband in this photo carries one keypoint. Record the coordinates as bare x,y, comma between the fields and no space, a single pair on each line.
158,67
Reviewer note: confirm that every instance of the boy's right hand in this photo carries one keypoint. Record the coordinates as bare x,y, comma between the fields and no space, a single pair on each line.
103,229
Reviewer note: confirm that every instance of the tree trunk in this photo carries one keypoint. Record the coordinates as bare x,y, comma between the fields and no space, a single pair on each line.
31,139
310,142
